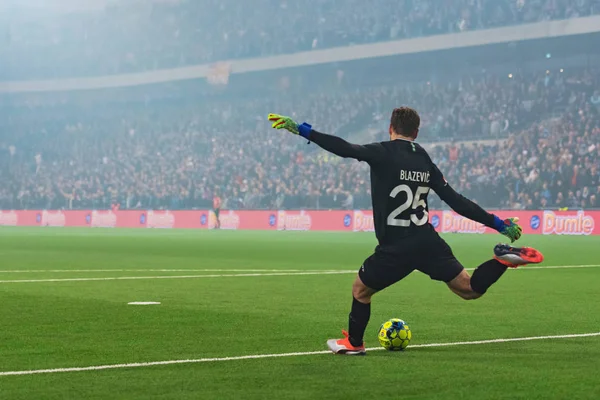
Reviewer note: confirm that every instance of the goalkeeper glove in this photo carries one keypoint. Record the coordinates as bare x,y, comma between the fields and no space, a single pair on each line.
283,122
508,228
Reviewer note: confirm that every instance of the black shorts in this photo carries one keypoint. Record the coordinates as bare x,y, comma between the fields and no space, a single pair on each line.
216,211
427,253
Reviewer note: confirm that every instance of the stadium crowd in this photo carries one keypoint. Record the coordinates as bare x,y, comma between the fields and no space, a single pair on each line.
553,164
543,148
135,36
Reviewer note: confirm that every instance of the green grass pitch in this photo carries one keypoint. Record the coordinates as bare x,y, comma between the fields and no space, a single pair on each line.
48,320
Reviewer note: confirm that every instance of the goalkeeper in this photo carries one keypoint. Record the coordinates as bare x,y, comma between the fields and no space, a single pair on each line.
402,174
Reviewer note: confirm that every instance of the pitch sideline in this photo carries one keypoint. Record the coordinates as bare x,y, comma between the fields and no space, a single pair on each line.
128,278
257,274
280,355
28,271
11,271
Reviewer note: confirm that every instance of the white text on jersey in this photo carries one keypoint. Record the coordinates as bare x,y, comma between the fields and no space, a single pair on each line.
414,176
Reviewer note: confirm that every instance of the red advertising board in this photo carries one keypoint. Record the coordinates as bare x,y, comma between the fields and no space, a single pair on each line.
533,222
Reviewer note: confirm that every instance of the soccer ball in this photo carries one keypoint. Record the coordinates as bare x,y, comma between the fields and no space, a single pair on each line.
394,335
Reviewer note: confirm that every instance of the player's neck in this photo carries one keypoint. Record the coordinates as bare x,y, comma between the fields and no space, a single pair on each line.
400,137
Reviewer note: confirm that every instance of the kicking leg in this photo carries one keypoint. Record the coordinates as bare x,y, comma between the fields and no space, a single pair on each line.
473,287
461,286
488,273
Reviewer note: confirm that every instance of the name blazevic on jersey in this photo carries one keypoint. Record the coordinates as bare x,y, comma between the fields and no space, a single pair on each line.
402,175
414,176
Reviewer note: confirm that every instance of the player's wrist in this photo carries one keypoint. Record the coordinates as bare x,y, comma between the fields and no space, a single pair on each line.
304,130
498,223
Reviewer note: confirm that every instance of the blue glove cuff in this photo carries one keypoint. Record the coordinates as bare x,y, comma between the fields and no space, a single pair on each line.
304,130
499,224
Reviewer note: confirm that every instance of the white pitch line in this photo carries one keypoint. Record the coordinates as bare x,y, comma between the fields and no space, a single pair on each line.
559,266
127,278
279,355
16,271
526,267
298,272
155,270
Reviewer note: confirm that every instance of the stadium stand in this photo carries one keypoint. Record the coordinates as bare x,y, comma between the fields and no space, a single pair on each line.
543,130
133,36
522,140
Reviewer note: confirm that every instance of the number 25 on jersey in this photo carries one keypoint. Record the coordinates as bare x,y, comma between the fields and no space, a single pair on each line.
412,202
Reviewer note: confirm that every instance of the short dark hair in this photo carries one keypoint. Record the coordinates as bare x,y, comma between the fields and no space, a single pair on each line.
405,121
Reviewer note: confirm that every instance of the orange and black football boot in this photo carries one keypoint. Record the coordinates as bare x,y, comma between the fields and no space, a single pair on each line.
343,346
514,257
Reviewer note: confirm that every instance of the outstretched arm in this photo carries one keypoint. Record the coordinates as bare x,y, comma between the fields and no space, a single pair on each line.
333,144
469,209
342,148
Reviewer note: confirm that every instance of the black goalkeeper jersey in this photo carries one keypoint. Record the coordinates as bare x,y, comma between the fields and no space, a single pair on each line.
402,176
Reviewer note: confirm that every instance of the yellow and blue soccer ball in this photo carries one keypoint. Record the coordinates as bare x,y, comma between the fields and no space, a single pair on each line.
394,335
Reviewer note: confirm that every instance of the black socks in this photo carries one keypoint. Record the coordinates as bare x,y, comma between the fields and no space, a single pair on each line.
358,320
486,275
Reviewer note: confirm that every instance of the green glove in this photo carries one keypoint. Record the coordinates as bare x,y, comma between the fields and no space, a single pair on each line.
511,229
283,122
